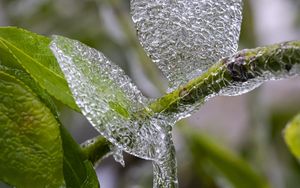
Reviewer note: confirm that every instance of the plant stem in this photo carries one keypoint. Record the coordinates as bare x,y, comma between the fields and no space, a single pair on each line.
96,148
244,66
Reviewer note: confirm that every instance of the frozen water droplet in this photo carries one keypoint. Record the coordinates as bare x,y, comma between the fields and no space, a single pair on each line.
118,155
186,37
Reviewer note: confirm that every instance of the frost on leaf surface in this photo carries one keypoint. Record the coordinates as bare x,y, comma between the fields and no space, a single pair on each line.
110,101
185,37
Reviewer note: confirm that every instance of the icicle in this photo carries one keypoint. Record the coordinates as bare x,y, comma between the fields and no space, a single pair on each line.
118,155
165,169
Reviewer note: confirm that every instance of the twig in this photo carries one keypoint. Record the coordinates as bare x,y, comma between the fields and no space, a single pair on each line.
235,72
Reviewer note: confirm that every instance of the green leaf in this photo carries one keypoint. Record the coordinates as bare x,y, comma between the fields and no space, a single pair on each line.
78,171
233,168
292,136
25,50
30,143
28,81
91,180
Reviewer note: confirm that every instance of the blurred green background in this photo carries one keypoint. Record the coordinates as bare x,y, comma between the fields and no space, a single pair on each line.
227,131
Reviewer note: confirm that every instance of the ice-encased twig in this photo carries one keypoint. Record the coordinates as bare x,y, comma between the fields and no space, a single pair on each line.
234,75
165,169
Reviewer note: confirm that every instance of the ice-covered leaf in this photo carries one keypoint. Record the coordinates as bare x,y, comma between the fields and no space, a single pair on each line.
104,93
185,37
110,101
30,143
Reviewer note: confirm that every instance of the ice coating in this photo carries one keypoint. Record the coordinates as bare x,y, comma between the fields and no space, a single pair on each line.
232,76
185,37
162,169
118,155
247,79
109,100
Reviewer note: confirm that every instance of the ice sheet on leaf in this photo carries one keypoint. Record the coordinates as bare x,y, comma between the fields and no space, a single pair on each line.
185,37
108,99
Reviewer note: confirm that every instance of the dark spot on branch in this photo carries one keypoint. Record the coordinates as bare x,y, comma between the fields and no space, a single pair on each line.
237,67
183,92
186,96
284,44
288,67
225,60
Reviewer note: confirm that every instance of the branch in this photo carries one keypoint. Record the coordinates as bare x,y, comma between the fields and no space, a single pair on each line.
233,75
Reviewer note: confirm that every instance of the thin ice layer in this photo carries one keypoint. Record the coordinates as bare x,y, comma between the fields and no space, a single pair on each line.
185,37
105,95
109,101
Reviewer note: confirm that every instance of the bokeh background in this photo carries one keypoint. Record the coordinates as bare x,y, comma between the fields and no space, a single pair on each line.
249,126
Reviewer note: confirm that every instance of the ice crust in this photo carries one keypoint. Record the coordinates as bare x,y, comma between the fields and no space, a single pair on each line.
185,37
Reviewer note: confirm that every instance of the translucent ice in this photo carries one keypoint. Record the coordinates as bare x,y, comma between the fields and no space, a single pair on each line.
185,37
110,101
251,78
118,155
